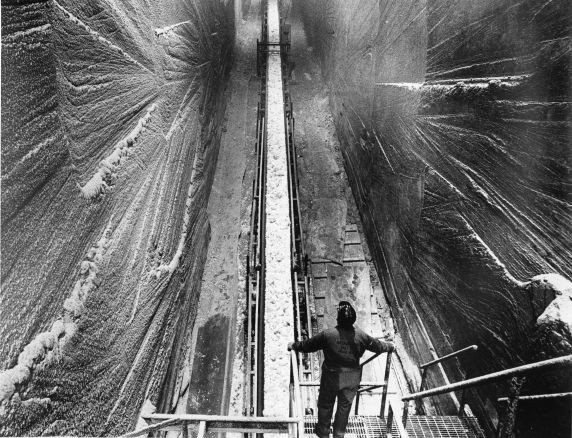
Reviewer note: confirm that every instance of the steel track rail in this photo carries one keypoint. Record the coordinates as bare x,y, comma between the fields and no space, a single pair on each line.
300,279
254,394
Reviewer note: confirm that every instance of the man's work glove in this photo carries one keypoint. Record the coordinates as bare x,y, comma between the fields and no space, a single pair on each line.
290,346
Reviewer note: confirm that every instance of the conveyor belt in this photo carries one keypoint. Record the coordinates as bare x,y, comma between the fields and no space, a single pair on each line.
256,265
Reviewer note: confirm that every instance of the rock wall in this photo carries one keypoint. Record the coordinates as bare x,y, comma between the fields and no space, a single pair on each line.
454,120
110,132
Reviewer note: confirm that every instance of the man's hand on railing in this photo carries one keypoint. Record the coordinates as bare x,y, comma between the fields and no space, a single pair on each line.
387,337
290,346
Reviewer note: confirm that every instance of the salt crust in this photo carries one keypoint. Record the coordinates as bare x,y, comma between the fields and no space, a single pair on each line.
12,37
95,35
47,346
168,30
172,265
560,309
97,185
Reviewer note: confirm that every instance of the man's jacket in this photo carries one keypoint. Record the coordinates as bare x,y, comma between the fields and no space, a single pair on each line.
342,347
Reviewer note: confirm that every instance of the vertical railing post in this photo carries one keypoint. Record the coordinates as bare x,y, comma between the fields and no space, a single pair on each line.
202,429
185,430
389,423
462,403
463,397
418,403
357,402
405,413
506,427
298,410
385,384
423,377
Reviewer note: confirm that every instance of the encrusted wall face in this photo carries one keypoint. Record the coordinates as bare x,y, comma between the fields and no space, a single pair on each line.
455,129
110,131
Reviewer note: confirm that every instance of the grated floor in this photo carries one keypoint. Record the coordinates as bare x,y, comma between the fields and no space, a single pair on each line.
361,426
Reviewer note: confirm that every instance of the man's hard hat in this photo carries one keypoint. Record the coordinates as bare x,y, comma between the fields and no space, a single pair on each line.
346,314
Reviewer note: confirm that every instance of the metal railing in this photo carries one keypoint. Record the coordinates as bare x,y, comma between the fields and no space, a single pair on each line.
423,368
201,424
559,362
292,425
367,386
297,408
255,274
538,397
392,412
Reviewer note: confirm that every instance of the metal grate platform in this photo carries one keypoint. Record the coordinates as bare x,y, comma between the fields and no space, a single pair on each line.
418,426
359,426
444,426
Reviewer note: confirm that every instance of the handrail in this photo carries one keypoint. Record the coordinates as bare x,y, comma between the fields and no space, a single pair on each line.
215,423
298,410
539,396
368,360
317,383
218,418
448,356
493,377
153,427
423,368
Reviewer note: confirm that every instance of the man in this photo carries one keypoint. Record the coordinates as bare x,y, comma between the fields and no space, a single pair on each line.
341,374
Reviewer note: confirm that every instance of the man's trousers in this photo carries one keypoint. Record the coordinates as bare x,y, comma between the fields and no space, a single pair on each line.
343,385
